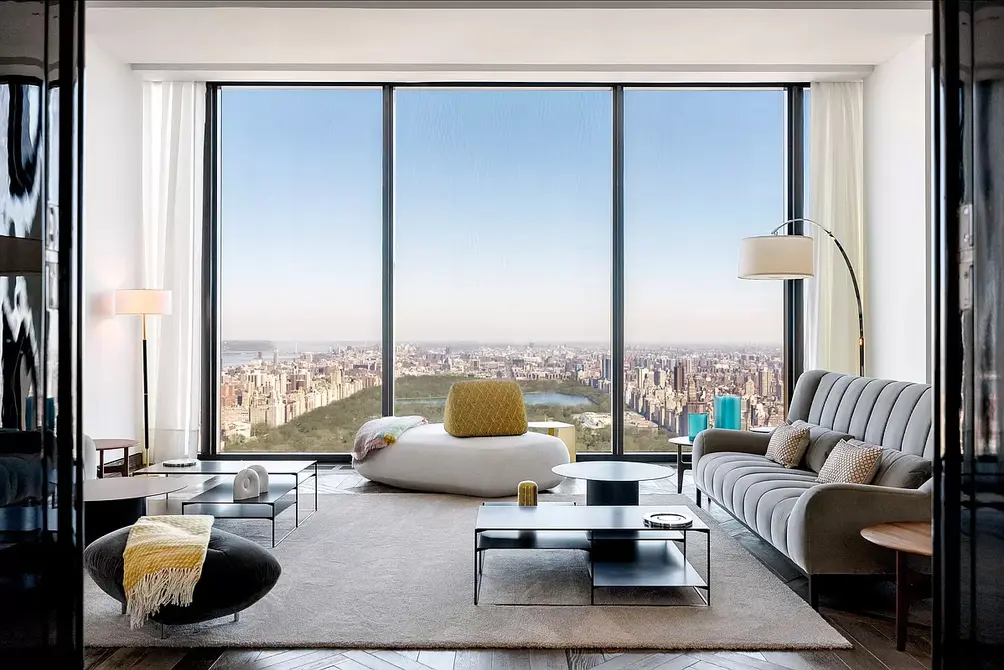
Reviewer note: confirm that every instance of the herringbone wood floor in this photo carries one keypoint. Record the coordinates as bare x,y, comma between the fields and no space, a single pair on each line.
863,614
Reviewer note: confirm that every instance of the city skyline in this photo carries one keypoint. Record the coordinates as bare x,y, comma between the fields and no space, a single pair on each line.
502,214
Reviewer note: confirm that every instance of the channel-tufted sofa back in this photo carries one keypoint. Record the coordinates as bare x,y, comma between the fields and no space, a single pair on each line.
895,415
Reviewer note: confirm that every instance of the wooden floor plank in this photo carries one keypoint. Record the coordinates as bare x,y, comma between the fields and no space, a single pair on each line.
95,655
232,659
147,659
859,657
680,662
289,659
511,659
374,662
582,660
437,660
199,659
804,660
546,659
405,660
479,659
881,647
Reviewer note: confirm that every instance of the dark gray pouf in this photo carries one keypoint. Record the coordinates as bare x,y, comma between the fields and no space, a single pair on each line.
235,575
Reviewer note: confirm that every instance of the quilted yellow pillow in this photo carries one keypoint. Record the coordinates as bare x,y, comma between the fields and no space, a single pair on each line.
485,408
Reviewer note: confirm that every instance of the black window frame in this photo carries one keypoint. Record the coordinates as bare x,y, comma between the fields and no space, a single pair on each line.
794,180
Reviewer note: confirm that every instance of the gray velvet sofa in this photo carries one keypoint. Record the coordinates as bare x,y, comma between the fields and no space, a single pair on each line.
818,526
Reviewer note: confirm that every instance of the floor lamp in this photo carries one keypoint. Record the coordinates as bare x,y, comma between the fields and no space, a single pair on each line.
777,256
144,302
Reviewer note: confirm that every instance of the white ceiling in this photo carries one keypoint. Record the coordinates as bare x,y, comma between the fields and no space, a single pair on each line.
727,40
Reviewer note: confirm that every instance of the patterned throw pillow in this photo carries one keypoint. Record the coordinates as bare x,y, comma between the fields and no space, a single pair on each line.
787,445
485,408
850,464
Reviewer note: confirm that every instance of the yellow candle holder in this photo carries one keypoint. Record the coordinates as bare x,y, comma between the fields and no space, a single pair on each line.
527,494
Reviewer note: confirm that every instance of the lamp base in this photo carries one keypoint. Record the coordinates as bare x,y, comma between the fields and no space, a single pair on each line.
179,463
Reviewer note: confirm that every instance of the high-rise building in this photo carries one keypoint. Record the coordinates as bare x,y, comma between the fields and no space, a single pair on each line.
765,386
275,357
607,372
680,377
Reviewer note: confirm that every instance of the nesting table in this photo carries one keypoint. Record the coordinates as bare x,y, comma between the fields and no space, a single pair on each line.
117,502
284,478
612,482
623,550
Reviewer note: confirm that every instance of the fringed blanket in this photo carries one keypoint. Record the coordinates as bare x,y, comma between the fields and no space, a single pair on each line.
163,562
380,433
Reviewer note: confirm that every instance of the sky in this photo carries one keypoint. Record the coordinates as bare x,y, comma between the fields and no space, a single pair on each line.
502,201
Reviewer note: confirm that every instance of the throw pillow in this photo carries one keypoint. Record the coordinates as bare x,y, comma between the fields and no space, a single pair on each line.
850,464
485,408
787,445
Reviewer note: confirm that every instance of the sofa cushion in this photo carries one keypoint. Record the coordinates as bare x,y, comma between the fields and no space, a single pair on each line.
787,445
899,469
850,464
821,443
485,408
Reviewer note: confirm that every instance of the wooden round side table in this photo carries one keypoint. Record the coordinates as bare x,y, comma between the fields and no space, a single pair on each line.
905,538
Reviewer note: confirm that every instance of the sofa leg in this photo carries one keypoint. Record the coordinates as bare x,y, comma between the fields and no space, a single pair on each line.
814,592
699,498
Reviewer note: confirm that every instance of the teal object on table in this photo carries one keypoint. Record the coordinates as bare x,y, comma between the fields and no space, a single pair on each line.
696,422
727,412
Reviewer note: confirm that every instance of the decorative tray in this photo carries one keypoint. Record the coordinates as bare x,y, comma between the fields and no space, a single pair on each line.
668,521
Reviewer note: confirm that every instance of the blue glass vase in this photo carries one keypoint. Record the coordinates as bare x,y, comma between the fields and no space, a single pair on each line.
727,412
696,422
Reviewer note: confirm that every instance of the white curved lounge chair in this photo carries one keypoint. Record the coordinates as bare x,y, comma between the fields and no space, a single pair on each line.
427,458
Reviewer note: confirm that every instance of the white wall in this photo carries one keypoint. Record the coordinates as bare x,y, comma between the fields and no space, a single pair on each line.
113,107
896,168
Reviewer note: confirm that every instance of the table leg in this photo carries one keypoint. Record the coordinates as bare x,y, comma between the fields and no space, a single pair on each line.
296,501
902,599
679,468
611,493
317,485
125,462
101,464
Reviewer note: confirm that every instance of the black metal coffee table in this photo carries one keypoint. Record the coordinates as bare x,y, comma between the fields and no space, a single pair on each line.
284,477
655,560
612,482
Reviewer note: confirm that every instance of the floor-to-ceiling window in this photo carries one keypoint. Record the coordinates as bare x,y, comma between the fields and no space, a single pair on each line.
300,257
502,249
702,169
481,238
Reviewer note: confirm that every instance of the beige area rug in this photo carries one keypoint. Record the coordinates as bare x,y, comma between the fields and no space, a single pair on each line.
395,570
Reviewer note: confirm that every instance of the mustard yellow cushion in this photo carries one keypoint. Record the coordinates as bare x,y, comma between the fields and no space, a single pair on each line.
485,408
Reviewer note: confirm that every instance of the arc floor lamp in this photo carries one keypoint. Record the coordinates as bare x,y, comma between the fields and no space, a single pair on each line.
778,256
144,302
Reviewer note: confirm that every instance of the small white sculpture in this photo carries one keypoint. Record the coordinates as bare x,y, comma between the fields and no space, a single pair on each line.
246,484
262,477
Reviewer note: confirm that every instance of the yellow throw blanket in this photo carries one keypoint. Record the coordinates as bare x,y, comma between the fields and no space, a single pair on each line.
163,562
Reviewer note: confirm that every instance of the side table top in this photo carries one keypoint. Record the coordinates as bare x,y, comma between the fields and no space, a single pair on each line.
125,488
682,440
114,443
912,537
612,471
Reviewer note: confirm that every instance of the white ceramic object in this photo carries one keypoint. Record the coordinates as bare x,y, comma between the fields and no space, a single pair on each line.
246,485
262,477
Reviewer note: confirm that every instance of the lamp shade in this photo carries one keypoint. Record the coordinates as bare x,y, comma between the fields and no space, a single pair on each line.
776,257
142,301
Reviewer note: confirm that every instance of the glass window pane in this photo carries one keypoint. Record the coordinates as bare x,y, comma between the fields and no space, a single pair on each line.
502,270
703,169
300,268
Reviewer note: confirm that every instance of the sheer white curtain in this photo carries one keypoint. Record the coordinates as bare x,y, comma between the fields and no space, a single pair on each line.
836,201
173,124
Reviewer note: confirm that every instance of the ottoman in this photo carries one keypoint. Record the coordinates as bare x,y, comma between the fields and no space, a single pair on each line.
236,574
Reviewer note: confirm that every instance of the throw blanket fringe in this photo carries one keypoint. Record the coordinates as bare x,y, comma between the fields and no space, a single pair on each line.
175,586
382,432
162,563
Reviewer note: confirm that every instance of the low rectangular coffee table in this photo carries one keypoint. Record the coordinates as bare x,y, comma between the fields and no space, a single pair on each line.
283,477
624,552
